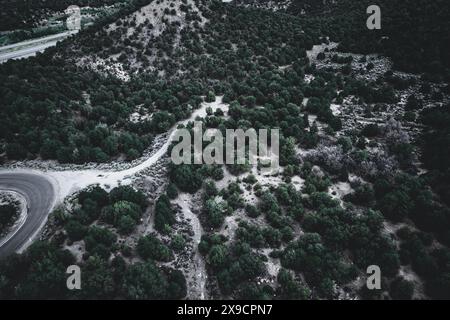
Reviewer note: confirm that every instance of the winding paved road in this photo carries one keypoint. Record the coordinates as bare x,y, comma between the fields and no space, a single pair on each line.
39,194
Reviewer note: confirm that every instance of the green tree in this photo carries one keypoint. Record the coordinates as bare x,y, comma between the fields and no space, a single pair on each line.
150,247
401,289
75,230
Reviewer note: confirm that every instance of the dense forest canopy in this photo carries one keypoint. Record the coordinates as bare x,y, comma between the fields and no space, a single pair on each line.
260,64
41,271
414,33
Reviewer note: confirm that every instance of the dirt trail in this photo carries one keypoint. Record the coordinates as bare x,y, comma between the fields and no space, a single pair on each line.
196,276
67,182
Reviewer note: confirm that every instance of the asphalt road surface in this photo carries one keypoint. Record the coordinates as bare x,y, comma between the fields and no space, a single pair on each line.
27,52
57,36
30,48
39,194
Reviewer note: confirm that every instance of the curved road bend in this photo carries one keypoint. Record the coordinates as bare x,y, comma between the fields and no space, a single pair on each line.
39,194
